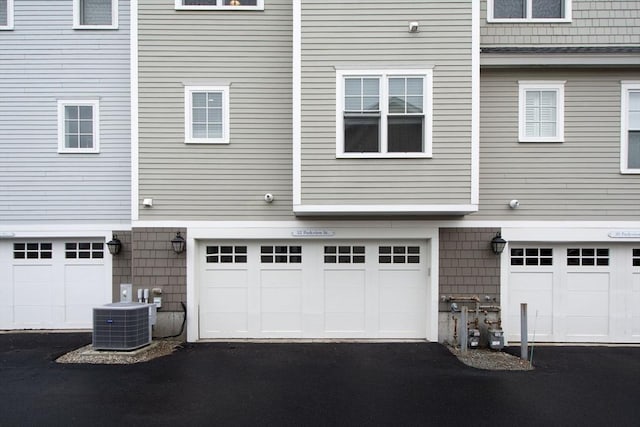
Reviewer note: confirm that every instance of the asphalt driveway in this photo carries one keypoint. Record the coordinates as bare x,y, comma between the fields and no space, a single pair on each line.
389,384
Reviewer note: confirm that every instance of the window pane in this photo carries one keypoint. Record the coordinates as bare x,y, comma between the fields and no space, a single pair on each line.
370,87
86,141
361,134
634,150
414,104
199,2
215,131
240,2
3,12
199,130
95,12
352,103
547,130
634,120
414,86
86,126
200,100
86,112
71,141
547,9
71,112
70,126
396,86
370,103
634,101
215,115
397,104
509,8
199,115
214,100
405,134
352,87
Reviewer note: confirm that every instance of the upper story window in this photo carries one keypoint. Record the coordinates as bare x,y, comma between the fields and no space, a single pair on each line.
630,128
541,115
78,126
384,113
6,14
95,14
220,4
529,10
206,112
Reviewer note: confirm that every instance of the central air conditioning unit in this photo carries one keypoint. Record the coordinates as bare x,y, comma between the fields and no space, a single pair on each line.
123,326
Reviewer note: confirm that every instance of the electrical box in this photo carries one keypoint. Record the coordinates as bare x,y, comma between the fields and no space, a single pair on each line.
474,338
126,292
496,339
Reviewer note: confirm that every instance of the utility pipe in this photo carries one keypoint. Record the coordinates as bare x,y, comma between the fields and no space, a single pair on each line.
524,336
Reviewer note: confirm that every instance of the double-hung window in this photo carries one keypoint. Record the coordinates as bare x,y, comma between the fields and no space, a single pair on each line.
78,126
95,14
384,113
6,14
220,4
529,10
630,128
541,115
206,112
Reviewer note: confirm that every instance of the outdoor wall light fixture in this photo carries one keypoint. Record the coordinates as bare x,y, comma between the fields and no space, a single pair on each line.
178,243
114,245
498,244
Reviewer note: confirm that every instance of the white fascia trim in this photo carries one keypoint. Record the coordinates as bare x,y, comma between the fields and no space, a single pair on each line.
60,230
574,60
576,234
9,25
302,210
297,102
114,18
626,87
475,103
135,160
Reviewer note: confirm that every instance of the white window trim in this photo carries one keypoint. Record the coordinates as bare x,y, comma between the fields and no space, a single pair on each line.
78,26
219,6
384,76
627,86
188,91
9,25
96,126
558,87
529,18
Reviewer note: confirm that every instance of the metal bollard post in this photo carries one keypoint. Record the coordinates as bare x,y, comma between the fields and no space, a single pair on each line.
464,330
524,334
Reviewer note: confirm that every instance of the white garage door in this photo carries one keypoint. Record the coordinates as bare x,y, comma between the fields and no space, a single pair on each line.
313,290
52,283
575,293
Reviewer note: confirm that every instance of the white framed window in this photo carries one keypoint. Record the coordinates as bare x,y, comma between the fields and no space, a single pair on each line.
206,112
541,111
6,15
219,4
630,128
529,10
383,113
78,126
95,14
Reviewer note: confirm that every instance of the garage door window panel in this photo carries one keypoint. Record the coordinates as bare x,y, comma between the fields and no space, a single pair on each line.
399,254
281,254
531,256
226,254
588,257
344,254
84,250
32,250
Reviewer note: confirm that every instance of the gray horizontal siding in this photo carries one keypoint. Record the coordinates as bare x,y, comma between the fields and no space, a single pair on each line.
355,34
593,23
250,50
41,61
578,179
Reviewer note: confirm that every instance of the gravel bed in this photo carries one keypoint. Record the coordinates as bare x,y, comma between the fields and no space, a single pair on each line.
87,354
491,360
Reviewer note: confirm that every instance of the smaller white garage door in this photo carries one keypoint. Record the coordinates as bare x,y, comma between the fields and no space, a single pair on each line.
313,289
575,293
52,283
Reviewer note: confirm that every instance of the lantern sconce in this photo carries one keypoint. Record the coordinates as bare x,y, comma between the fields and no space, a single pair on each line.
178,243
114,245
498,244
